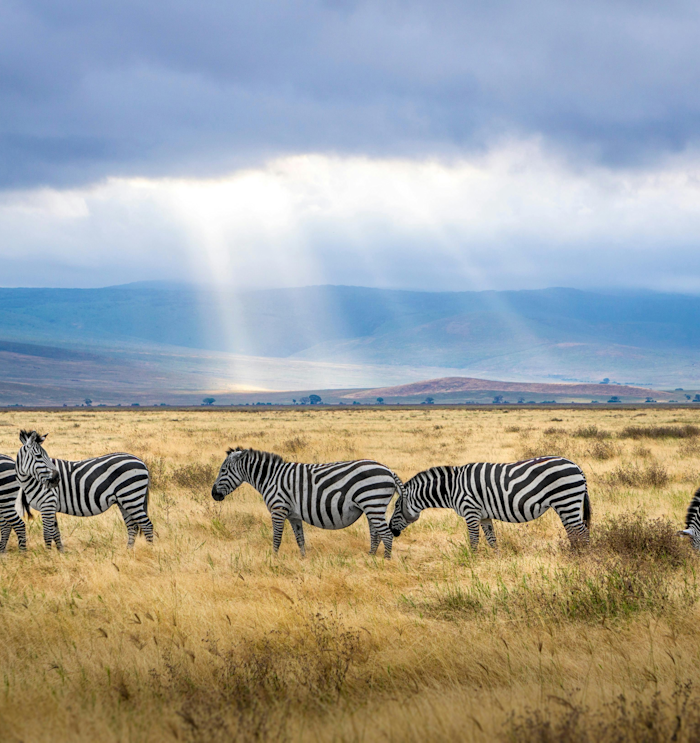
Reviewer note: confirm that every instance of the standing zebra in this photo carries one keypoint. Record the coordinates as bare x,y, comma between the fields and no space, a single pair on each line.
9,503
330,496
692,521
514,492
84,488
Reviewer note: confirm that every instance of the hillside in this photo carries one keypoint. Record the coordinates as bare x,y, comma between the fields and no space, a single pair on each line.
165,337
458,389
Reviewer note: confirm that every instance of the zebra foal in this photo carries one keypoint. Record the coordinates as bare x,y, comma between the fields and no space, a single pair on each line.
330,496
84,488
513,492
9,503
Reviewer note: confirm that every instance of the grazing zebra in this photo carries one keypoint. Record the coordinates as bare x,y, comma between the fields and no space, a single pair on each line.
83,488
9,502
330,496
514,492
692,521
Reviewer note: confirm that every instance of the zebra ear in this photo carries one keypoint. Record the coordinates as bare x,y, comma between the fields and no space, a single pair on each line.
40,439
23,436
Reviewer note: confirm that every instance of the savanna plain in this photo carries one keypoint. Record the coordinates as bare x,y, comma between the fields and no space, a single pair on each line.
207,636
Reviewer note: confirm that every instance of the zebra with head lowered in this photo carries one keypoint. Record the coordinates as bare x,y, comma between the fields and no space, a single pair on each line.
513,492
84,488
330,496
692,521
10,505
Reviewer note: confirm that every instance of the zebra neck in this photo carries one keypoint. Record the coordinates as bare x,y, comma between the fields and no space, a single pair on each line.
260,474
436,490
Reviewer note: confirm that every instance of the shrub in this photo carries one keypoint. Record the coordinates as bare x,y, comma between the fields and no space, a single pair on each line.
659,432
634,535
602,450
195,475
591,432
295,445
650,720
654,475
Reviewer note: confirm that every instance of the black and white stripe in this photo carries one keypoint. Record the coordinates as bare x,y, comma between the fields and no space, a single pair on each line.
692,521
85,488
10,505
515,492
330,496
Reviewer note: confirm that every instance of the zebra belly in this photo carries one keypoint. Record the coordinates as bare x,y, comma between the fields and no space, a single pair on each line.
533,513
330,513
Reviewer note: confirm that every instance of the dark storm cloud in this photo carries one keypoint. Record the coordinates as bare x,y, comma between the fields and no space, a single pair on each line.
90,89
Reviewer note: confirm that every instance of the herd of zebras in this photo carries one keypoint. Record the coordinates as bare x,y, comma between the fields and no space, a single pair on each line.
330,496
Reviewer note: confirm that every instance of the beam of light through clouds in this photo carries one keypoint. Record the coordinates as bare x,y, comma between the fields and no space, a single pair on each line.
517,216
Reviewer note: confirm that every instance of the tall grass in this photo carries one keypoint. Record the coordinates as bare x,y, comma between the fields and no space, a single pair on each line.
207,636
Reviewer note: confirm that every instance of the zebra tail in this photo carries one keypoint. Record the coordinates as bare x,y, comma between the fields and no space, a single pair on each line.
399,484
587,509
25,506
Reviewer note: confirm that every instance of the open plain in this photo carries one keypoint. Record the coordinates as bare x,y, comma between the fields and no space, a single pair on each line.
206,636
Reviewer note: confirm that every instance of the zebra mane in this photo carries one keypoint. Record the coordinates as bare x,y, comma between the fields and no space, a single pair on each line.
25,435
264,455
693,508
421,475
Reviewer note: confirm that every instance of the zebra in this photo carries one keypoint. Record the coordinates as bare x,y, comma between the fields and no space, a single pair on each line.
84,488
330,496
692,521
10,505
513,492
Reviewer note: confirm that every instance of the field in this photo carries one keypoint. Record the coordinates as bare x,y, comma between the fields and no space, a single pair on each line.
206,636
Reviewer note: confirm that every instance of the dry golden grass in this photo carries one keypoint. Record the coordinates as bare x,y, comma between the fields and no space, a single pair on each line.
207,636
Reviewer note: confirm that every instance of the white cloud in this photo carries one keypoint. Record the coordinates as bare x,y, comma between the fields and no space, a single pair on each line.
516,217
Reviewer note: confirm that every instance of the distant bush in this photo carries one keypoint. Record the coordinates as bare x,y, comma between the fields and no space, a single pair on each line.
659,432
195,475
591,432
654,475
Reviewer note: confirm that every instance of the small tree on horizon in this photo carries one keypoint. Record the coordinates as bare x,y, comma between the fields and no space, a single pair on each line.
315,399
208,401
88,401
380,401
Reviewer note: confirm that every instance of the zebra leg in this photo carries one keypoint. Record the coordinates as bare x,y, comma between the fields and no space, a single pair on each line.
473,529
374,539
21,531
5,531
13,522
378,529
146,526
298,528
278,519
132,527
489,533
576,530
51,532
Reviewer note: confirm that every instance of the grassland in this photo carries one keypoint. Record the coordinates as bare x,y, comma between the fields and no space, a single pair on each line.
206,636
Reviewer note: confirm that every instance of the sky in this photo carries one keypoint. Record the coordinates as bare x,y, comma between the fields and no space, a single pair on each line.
427,145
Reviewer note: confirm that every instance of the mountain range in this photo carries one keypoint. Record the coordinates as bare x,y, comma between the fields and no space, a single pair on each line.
143,339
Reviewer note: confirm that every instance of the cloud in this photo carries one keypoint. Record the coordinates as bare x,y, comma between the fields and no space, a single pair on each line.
91,90
514,217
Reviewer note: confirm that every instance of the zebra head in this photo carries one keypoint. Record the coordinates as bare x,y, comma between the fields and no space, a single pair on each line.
694,536
34,462
230,475
403,516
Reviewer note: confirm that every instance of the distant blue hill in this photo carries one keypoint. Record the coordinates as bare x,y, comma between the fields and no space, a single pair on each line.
646,338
